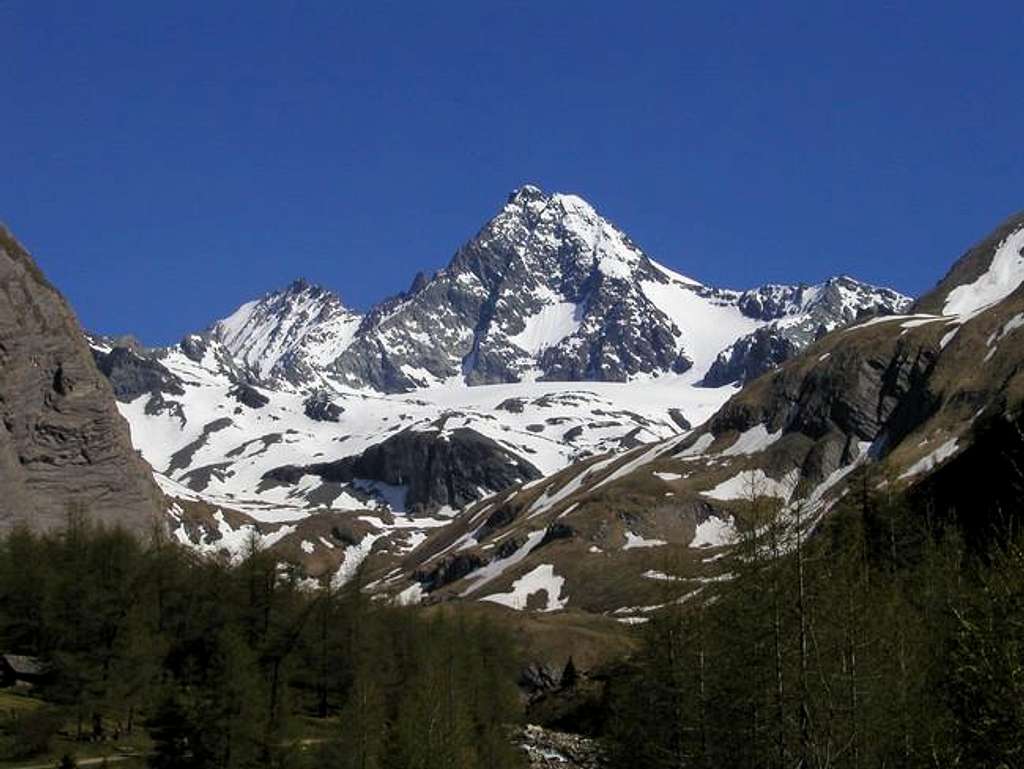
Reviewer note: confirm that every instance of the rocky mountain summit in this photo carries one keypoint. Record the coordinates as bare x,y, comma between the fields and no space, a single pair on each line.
63,447
548,290
289,336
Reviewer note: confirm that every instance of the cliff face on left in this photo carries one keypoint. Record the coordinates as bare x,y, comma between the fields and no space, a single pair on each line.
63,444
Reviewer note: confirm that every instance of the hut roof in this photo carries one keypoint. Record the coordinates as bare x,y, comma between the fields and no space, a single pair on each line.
25,666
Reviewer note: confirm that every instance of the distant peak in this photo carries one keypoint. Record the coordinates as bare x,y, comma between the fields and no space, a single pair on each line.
303,287
418,283
526,194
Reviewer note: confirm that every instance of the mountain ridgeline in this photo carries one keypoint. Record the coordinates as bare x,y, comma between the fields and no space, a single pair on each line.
547,289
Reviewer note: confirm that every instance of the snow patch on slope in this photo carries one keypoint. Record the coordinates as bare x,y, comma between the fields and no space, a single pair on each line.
548,327
749,483
714,532
1004,275
932,460
540,579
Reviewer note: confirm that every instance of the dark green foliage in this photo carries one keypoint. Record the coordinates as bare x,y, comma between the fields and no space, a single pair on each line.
877,641
226,665
985,680
26,733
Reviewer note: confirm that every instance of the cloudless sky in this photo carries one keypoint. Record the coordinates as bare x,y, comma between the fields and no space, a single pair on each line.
166,161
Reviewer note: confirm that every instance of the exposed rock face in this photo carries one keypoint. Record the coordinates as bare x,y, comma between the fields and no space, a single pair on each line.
439,468
249,396
63,446
874,394
450,569
751,356
132,375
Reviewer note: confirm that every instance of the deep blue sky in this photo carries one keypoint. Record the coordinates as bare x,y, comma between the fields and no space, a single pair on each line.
166,163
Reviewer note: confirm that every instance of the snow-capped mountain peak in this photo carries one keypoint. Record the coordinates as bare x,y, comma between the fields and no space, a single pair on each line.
548,289
302,326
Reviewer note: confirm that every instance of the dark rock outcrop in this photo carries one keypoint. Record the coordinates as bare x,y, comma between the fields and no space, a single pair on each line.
439,468
321,408
750,357
450,569
132,375
249,396
63,446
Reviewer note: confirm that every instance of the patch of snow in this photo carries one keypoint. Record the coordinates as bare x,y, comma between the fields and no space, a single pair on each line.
548,327
354,556
747,483
819,492
634,541
540,579
921,321
708,324
701,445
1004,275
754,440
714,532
1014,323
496,568
411,596
673,275
933,460
659,575
668,476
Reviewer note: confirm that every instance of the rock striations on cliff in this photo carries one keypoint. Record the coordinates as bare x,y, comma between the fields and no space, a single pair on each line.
64,447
